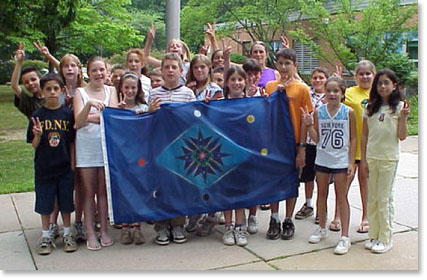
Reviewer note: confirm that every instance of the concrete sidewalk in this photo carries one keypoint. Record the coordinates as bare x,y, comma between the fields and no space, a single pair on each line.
20,230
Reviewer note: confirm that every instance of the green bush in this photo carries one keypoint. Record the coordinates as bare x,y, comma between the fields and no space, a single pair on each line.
400,64
6,69
237,58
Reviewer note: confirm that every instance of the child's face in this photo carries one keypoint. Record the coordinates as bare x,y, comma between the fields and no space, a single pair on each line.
156,81
253,78
51,91
333,93
218,59
129,88
218,78
318,80
70,70
171,71
385,87
116,75
200,71
286,67
175,47
134,63
31,82
259,53
97,72
364,77
236,83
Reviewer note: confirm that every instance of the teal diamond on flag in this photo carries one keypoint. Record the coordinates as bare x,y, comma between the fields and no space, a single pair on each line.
202,156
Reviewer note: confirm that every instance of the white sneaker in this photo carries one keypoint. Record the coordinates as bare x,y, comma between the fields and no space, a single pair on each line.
252,225
381,247
343,246
240,236
318,235
370,243
228,237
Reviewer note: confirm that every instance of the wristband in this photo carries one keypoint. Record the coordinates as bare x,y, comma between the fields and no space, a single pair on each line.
300,144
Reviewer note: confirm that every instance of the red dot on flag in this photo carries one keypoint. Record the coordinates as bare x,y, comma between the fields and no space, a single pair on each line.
141,162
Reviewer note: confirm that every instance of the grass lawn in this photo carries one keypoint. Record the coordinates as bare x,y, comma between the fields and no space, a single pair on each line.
16,156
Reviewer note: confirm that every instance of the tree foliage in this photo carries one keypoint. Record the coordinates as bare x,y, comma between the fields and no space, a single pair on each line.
353,29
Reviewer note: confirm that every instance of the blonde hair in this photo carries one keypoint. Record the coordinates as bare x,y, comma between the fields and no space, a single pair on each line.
199,58
172,56
71,57
365,63
139,53
185,50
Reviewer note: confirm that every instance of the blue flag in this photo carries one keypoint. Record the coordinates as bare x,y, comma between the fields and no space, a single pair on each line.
198,157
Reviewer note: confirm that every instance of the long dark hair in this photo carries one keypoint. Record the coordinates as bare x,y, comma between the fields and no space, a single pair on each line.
139,98
233,69
375,100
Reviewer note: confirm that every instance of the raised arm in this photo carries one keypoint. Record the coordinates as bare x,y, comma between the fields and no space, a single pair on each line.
45,52
210,31
227,61
151,34
14,81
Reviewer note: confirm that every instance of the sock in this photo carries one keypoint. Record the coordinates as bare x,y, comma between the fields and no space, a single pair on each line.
276,217
45,233
309,202
237,227
67,231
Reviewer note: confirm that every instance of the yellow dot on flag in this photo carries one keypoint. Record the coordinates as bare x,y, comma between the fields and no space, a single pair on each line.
264,152
250,118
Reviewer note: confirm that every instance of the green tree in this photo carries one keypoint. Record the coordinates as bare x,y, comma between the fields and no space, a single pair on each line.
353,31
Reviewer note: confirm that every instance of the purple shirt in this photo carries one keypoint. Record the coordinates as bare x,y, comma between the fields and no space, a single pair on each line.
267,75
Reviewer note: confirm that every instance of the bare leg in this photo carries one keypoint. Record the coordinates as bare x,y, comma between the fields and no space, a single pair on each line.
363,183
102,203
240,216
45,221
290,207
78,197
66,219
54,216
322,189
341,192
228,216
274,207
252,210
89,181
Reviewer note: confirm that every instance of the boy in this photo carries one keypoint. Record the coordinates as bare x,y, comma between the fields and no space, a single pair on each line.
299,97
31,98
170,92
156,78
51,133
218,76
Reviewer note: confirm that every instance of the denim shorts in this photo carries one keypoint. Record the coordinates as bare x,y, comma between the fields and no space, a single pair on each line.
60,188
328,170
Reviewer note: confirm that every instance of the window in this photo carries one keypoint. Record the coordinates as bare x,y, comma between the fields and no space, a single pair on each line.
275,46
306,62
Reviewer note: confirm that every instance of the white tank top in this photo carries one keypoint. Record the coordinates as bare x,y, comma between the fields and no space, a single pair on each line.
88,137
334,138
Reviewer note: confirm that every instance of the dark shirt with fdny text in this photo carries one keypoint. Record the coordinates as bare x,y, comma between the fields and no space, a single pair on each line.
52,156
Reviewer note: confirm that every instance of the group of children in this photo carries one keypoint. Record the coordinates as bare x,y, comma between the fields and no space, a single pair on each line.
337,131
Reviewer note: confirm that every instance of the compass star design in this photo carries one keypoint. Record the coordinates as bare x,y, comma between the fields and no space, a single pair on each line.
202,156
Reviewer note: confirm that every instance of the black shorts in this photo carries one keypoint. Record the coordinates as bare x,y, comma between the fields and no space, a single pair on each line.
60,188
328,170
308,173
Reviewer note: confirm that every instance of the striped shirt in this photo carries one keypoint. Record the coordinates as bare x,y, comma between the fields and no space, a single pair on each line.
180,94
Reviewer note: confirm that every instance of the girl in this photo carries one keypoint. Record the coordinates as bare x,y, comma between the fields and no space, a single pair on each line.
117,71
199,78
365,72
217,58
319,75
384,124
132,98
135,62
235,84
333,129
259,52
88,103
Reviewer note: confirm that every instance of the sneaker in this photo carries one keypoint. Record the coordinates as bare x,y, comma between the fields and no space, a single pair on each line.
240,236
207,226
126,236
288,229
70,244
54,232
318,235
273,231
163,235
252,225
45,246
193,222
370,243
138,238
304,212
179,235
228,237
343,246
79,232
381,247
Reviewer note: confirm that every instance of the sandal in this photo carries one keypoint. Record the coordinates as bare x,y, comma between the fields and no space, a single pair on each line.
335,226
107,244
363,228
96,248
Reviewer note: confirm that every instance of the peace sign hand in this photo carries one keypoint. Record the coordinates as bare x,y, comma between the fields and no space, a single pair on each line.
210,31
151,34
285,42
42,49
338,71
20,53
37,128
307,118
405,110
